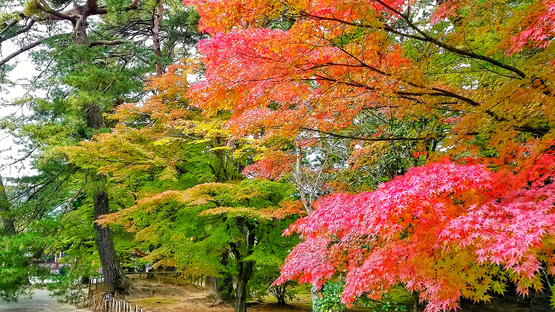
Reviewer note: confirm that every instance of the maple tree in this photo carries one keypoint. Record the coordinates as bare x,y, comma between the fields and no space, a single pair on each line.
219,229
445,230
180,189
475,77
335,62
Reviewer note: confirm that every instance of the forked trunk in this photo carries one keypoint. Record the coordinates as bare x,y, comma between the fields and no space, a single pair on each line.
245,273
279,292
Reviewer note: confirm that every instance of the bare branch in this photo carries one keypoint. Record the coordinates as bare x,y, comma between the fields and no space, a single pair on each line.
339,136
28,47
433,40
423,37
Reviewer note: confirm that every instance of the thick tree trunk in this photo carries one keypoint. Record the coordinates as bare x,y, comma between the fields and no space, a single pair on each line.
221,288
245,273
245,269
415,302
279,292
115,280
314,295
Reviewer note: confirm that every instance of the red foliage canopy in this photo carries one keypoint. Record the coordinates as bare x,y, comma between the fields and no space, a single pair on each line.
446,230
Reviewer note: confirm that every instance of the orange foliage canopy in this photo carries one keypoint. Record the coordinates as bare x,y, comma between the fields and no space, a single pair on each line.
334,60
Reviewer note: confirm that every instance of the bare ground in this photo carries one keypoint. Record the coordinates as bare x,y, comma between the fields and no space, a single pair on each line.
178,295
169,295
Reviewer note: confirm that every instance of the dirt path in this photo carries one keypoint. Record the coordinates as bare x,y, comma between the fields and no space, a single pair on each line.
40,302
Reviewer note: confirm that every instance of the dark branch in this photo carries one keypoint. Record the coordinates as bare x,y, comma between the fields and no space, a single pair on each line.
28,47
430,39
424,37
105,42
335,135
18,32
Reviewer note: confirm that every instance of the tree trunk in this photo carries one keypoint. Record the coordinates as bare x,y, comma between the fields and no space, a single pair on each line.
244,268
115,280
279,292
155,38
314,295
415,303
225,283
245,273
8,226
221,288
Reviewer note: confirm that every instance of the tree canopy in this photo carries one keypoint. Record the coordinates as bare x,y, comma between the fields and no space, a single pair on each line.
414,137
470,81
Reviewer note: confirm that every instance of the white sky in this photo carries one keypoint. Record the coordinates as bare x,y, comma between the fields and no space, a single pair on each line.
8,148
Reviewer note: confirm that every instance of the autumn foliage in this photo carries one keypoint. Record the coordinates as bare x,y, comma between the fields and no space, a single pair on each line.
316,66
444,230
473,80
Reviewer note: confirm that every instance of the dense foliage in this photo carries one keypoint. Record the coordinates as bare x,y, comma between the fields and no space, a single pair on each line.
409,143
471,81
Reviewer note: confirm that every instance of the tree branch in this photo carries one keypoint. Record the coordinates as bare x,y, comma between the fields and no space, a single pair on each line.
105,42
68,205
430,39
424,37
28,47
18,32
339,136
